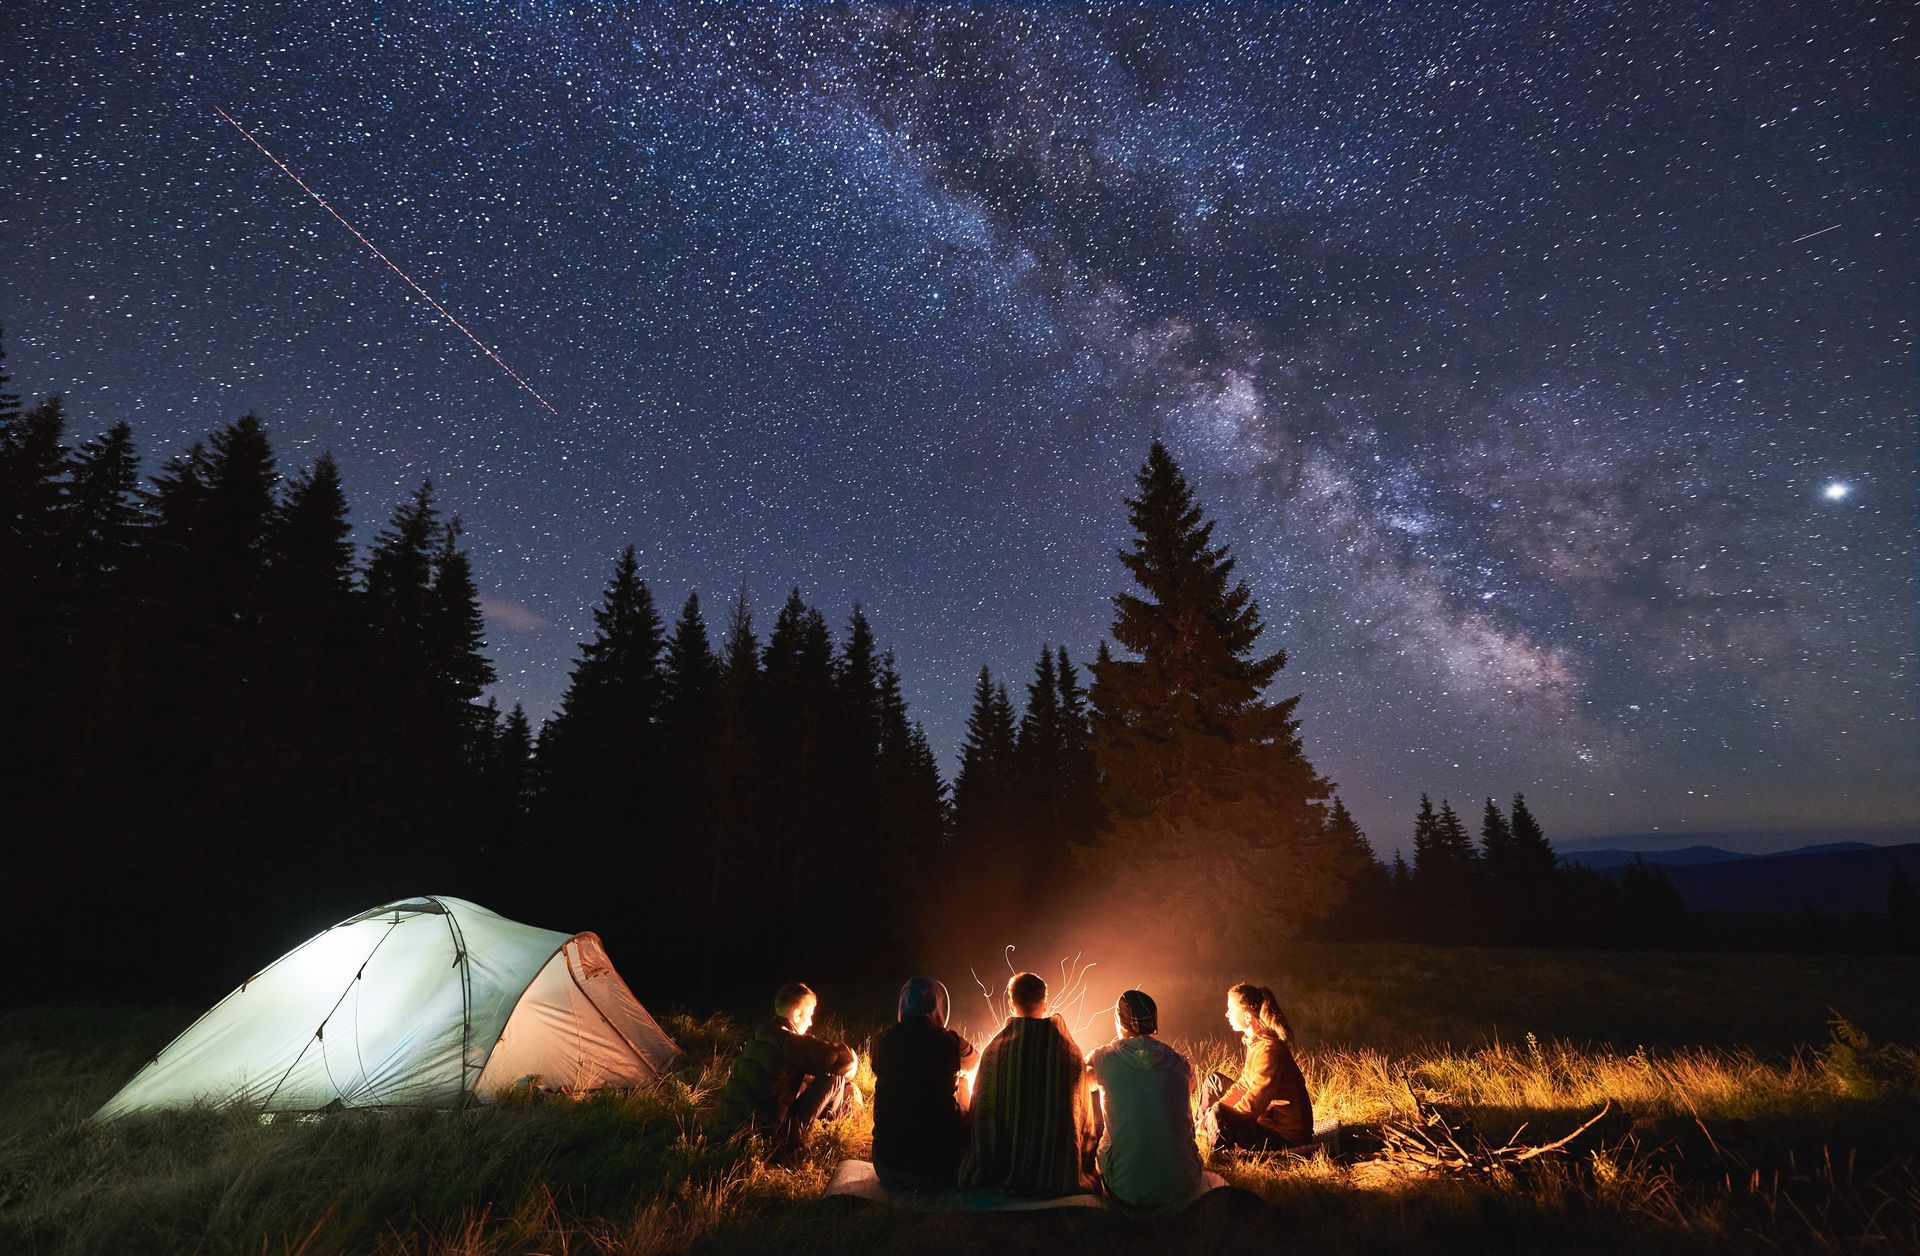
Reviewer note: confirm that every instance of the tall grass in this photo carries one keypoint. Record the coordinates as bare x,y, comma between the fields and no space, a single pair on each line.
1704,1148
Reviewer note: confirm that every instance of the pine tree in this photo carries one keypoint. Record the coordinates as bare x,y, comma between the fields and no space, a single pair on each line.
311,545
1496,843
802,821
600,756
1213,810
1078,788
732,884
513,760
326,737
689,708
1426,840
983,788
1367,905
607,715
1499,886
99,552
9,400
35,615
690,677
1533,858
33,464
456,629
1039,741
1443,871
104,519
400,579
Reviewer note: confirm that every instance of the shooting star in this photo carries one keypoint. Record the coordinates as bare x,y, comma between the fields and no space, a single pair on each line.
372,248
1811,234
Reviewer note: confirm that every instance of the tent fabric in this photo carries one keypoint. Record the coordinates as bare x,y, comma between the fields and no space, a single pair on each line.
426,1002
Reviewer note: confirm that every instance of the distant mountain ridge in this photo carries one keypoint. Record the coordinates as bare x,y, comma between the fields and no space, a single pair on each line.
1744,841
1691,856
1830,879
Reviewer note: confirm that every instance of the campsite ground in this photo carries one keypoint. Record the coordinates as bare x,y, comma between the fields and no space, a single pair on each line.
1737,1121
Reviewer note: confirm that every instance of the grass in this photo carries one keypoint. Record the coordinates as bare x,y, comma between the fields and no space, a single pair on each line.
1709,1145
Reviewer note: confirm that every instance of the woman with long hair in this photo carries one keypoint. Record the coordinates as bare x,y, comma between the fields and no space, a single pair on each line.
1267,1106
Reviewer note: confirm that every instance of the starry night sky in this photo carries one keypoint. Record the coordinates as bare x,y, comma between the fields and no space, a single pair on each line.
1552,376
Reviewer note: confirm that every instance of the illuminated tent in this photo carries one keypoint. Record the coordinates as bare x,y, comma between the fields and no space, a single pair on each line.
427,1002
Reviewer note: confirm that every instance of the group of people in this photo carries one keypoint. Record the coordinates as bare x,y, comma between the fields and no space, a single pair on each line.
1028,1113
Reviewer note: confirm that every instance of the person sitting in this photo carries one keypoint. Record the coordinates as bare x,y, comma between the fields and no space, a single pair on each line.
784,1079
1268,1105
920,1093
1031,1115
1147,1154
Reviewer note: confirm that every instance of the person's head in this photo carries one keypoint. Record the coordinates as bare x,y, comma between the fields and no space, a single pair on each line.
923,996
1250,1006
1135,1015
795,1004
1027,994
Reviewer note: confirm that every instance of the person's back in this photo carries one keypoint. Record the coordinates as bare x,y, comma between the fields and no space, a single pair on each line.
1147,1151
1030,1110
763,1080
919,1130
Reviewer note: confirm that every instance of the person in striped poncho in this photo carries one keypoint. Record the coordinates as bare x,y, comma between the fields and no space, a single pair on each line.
1032,1116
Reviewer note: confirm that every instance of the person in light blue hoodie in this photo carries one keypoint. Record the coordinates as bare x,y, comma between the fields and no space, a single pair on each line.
1147,1154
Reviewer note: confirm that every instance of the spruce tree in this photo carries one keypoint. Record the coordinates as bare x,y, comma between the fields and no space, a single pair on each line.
311,546
513,760
1367,906
104,518
599,756
1533,858
33,466
1443,874
690,677
1499,883
456,629
1078,786
803,823
9,399
690,696
983,789
732,886
399,578
1213,810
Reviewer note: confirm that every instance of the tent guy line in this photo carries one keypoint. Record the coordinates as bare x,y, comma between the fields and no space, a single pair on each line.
374,249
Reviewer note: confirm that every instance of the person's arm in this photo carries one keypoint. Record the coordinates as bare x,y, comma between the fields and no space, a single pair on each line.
967,1062
1263,1077
812,1055
1256,1074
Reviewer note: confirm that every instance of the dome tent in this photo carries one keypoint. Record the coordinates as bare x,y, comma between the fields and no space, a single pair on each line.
426,1002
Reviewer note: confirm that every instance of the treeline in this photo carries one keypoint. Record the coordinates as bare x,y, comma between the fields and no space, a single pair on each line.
1509,889
225,728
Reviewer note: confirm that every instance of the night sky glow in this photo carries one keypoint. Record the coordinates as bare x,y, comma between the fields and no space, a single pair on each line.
1551,373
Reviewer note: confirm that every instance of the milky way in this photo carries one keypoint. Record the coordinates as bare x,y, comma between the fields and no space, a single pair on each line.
1516,357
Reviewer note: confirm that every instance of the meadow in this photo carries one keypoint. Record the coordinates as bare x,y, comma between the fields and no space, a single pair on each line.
1748,1103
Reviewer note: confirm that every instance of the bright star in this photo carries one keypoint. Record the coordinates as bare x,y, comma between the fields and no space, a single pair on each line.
1837,491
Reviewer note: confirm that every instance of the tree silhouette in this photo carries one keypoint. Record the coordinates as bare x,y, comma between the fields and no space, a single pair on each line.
1212,809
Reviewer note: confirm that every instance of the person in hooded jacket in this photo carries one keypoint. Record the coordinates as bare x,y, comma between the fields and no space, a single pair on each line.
920,1092
1147,1154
